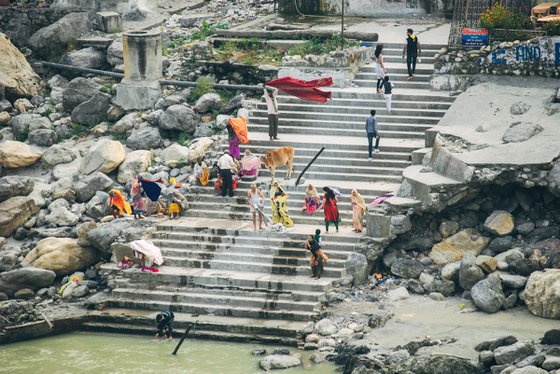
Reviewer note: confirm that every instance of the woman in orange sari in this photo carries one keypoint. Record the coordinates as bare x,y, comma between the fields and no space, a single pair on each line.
117,203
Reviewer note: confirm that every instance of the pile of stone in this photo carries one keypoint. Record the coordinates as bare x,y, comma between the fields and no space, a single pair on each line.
498,250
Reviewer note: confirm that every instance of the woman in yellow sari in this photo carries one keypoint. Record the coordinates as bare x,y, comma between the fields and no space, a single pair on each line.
358,211
279,201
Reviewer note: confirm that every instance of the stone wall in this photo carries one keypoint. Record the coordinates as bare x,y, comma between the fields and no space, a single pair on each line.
536,57
20,23
341,66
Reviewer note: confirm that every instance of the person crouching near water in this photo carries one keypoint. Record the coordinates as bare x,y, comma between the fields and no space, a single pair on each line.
164,322
317,259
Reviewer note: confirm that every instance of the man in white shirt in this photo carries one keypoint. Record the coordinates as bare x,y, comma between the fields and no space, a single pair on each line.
272,109
225,164
199,171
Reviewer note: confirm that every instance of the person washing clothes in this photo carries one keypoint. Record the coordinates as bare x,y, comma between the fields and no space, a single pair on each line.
164,322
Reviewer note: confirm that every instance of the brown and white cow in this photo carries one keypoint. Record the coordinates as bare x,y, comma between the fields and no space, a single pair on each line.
283,156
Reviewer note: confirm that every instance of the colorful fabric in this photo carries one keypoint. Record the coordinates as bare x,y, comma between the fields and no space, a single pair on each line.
205,178
137,201
357,218
174,208
240,128
311,204
152,188
279,205
234,147
379,199
250,165
305,90
148,249
331,210
117,200
316,255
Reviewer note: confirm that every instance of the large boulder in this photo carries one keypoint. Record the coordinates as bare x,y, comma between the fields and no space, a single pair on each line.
135,163
204,130
521,131
42,137
510,354
17,77
273,362
455,247
488,295
115,53
84,58
15,186
554,179
198,148
58,154
440,364
105,156
144,138
174,155
207,102
55,37
61,216
499,222
180,118
542,293
88,186
407,268
469,273
14,154
78,91
325,327
92,111
357,266
33,278
125,124
61,255
103,236
14,212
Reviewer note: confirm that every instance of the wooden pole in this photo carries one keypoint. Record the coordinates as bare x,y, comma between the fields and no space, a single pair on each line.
183,337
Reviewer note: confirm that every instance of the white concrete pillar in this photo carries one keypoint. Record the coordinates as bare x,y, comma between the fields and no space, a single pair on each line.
142,55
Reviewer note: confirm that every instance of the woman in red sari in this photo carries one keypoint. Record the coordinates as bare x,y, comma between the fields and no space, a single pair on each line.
330,208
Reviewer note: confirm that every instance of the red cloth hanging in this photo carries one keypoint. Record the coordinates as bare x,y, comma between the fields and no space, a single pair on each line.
305,90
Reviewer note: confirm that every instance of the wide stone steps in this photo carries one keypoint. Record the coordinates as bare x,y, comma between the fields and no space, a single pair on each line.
329,131
394,77
399,68
286,116
412,95
352,109
376,101
408,84
395,49
397,129
207,327
224,301
398,58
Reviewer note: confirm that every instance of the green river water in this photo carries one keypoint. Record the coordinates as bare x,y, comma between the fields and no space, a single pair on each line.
90,353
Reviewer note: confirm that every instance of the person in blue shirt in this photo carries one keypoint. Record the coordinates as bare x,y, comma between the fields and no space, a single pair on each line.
371,130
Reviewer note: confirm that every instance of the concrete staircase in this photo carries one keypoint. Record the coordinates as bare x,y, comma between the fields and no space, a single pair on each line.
217,267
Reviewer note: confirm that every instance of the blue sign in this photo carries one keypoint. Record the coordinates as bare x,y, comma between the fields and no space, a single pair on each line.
474,37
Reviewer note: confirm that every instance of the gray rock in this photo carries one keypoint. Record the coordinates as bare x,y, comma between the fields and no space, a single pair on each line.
440,364
62,217
501,244
24,293
89,185
443,286
33,278
79,90
553,179
513,281
180,118
407,268
519,108
57,35
551,337
42,137
90,57
207,102
437,296
510,256
235,103
115,53
400,224
26,122
357,266
486,358
533,360
58,154
521,131
469,273
166,102
529,370
488,295
551,363
448,228
103,236
203,131
325,327
258,351
154,117
511,354
396,357
80,291
398,294
524,228
145,138
92,111
125,124
451,271
57,81
15,186
273,362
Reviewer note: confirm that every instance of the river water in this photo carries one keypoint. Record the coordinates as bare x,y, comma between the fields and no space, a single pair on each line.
90,353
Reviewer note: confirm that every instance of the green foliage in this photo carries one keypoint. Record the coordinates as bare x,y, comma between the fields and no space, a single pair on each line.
106,88
551,28
120,137
22,137
317,46
226,95
249,51
183,138
207,29
501,17
79,130
203,86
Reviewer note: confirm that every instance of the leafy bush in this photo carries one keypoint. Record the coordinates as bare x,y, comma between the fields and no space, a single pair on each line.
183,138
207,29
552,28
249,51
22,137
203,86
318,46
500,17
